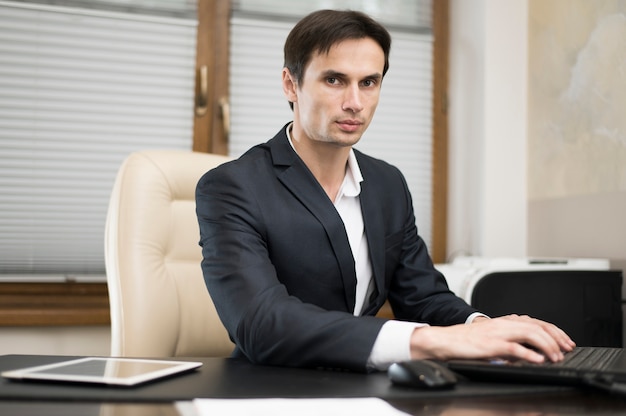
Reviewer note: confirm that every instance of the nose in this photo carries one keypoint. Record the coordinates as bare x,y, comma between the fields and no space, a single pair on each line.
352,100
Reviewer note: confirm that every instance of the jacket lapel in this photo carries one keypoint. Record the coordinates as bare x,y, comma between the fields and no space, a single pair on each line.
375,233
294,174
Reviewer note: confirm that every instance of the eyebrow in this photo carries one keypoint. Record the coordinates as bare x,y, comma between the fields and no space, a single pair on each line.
330,73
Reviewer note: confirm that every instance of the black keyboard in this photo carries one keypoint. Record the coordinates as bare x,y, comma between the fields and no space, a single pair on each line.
585,358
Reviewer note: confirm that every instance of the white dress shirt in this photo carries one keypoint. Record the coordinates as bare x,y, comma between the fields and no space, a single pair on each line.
393,341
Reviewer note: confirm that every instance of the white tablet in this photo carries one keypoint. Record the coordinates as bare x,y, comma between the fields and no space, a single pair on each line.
115,371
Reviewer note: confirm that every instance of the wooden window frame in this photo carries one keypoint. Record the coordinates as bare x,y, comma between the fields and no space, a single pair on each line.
53,304
441,11
212,67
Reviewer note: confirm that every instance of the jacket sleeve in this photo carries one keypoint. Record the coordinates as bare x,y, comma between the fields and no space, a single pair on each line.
417,291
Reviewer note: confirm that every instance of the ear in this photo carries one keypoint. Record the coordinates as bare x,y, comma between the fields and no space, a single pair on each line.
289,86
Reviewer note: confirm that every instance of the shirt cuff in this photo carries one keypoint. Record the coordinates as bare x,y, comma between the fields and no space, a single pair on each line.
473,316
393,344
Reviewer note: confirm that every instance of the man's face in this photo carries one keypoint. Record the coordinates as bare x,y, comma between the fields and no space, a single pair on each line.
336,99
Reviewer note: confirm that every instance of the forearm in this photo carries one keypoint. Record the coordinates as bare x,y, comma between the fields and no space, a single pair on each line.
393,343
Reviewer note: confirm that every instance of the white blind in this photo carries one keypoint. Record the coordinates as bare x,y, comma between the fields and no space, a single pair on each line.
401,132
79,90
408,14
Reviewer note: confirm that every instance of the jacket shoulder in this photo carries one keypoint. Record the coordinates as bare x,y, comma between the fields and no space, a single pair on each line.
372,168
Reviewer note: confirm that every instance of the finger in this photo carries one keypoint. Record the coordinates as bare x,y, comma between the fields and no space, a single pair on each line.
513,350
527,354
563,340
535,334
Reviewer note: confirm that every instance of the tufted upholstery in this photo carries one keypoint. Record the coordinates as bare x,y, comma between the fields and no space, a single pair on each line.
160,306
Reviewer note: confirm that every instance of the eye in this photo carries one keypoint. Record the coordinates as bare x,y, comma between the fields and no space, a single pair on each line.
369,83
331,80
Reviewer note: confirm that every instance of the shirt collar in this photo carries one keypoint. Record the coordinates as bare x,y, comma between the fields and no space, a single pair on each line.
352,180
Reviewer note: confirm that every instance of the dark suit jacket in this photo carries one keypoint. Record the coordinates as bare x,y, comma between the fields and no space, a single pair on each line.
278,265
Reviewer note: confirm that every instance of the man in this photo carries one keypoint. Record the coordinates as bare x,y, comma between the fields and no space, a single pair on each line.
304,237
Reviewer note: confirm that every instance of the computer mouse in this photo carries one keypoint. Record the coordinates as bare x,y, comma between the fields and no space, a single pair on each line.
424,374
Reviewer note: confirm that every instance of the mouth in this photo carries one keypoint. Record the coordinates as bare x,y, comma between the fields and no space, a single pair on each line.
349,125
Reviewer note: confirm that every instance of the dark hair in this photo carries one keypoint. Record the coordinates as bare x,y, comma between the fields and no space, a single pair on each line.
320,30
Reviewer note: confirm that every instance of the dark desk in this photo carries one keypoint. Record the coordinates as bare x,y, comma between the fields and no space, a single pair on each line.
229,378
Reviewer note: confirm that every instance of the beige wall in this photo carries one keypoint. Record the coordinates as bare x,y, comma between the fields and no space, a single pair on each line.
488,100
577,129
81,340
587,225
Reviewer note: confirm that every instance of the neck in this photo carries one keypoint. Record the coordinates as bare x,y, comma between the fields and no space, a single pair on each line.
326,161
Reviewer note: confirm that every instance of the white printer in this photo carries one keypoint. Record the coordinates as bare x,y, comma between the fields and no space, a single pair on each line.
464,272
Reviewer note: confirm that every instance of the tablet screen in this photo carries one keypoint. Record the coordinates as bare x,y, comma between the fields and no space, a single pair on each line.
120,371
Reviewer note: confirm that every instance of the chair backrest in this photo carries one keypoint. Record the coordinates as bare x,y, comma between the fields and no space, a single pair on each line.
160,306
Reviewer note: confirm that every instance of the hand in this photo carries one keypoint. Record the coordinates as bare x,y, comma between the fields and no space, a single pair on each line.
512,336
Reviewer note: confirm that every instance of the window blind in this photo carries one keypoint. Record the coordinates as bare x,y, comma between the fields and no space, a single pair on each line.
401,131
80,89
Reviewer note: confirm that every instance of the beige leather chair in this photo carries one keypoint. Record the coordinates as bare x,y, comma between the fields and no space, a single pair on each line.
160,306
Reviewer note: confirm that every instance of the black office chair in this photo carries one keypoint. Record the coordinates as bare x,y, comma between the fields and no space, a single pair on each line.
585,304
